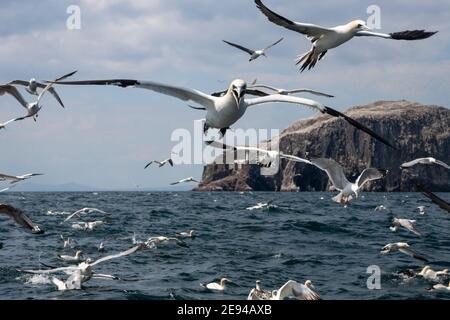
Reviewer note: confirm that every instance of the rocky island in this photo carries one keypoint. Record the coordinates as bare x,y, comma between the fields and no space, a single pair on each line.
417,130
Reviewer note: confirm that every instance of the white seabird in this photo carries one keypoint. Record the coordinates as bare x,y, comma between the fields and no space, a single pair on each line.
428,160
87,225
34,107
402,247
421,209
20,218
101,247
292,91
224,111
221,286
76,258
405,223
441,287
15,179
84,211
434,198
260,205
154,241
190,179
68,243
189,234
255,54
290,289
32,86
160,163
264,157
347,189
324,39
429,274
84,270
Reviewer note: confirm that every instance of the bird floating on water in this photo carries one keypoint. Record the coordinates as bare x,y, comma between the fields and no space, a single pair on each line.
324,39
189,234
76,258
429,274
221,286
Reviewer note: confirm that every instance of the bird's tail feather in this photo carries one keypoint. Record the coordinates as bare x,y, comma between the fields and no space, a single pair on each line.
309,59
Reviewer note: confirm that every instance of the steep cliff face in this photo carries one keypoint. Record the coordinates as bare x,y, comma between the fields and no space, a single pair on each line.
417,130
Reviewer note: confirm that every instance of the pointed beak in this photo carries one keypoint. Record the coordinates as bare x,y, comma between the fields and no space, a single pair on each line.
238,94
365,28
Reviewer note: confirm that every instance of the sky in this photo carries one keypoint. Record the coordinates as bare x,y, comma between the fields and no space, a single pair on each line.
106,135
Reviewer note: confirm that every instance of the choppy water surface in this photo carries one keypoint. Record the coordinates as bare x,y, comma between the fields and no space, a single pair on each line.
306,237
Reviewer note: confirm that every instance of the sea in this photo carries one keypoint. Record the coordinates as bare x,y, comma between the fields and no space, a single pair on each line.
299,236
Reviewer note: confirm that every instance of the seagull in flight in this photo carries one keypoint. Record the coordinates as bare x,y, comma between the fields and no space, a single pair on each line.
292,91
221,286
347,189
264,158
428,160
405,223
84,271
34,107
402,247
160,163
255,54
190,179
16,179
324,39
224,111
291,289
32,85
84,211
20,218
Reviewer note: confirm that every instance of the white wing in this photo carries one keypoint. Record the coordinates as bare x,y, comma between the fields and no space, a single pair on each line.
314,92
333,170
288,99
273,44
118,255
298,291
443,164
178,92
294,158
402,35
50,85
414,162
312,31
369,175
409,224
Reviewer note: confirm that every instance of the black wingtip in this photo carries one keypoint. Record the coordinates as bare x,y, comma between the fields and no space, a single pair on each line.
356,124
412,35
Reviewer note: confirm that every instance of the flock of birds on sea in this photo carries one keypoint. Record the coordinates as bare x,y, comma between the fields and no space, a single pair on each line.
223,109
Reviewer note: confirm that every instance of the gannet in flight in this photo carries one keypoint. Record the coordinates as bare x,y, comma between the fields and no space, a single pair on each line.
405,223
429,274
190,179
428,160
255,54
160,163
84,211
402,247
84,270
20,218
76,258
263,157
32,86
34,107
189,234
221,286
290,289
224,111
15,179
324,39
434,198
292,91
347,189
